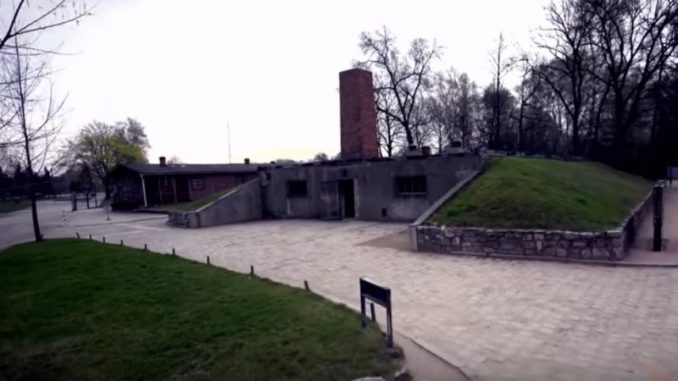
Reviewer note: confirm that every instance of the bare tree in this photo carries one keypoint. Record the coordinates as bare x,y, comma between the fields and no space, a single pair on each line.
468,112
174,160
635,39
34,123
403,76
28,20
566,69
501,66
442,108
389,131
526,90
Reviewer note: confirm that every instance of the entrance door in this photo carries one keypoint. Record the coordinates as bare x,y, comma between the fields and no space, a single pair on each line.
347,194
182,189
329,200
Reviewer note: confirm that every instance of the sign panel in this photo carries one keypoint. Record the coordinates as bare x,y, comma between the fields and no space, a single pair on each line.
380,295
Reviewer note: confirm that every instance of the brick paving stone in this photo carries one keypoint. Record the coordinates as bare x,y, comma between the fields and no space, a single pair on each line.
495,319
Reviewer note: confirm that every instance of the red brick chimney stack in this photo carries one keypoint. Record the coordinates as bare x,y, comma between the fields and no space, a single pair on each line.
358,115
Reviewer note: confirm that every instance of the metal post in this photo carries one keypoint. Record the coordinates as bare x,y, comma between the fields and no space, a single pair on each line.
306,285
208,259
251,270
374,316
658,196
389,328
362,311
143,190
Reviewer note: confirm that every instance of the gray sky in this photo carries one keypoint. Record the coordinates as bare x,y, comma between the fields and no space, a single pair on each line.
187,68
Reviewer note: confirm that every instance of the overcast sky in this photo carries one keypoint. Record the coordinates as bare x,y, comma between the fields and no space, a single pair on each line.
186,69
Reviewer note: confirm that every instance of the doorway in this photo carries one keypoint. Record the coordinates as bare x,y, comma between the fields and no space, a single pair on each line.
347,197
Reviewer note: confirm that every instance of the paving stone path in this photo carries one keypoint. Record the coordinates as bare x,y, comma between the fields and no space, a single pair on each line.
495,319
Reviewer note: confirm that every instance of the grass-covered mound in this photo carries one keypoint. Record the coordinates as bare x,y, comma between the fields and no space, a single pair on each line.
79,310
548,194
199,203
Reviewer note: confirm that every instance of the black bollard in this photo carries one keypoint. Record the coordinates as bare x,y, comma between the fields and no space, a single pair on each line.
658,200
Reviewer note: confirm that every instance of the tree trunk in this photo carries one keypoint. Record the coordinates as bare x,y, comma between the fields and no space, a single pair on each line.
34,215
575,136
107,189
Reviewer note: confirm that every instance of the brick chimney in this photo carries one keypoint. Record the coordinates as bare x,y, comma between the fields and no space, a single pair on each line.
358,115
163,161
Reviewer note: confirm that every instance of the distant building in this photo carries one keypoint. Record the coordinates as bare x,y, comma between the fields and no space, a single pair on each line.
359,185
149,185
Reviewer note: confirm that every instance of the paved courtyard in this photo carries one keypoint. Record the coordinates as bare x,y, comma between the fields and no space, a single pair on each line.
495,319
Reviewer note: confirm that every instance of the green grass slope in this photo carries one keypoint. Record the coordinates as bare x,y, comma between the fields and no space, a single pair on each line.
197,204
80,310
548,194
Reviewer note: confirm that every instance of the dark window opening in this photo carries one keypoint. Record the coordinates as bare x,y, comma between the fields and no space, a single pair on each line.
297,188
411,186
384,212
197,183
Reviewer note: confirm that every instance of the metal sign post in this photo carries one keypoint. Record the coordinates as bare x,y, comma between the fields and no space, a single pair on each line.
381,296
658,200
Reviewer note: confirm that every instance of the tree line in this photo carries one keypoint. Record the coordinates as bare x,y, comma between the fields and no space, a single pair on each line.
31,115
600,82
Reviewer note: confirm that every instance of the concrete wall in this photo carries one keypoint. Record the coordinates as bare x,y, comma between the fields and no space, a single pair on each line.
374,186
242,204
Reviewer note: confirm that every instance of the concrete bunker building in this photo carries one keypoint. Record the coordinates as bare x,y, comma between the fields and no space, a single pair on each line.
360,185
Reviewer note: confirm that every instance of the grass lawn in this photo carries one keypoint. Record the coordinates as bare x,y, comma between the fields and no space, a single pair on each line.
197,204
550,194
81,310
13,206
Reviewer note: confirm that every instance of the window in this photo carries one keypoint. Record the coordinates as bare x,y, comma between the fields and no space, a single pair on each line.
197,183
297,188
411,186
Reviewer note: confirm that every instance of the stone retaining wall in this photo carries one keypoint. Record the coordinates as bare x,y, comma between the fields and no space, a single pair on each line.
607,245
